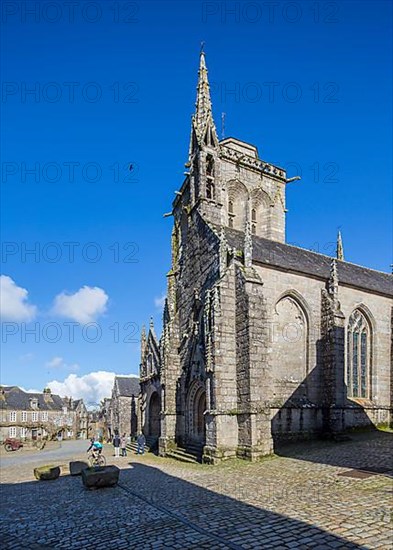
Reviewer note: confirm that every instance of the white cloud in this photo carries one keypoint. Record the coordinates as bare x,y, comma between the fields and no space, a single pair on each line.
59,363
159,302
55,362
84,306
92,387
14,301
26,357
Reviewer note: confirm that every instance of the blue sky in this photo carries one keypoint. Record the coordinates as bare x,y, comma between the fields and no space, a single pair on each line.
308,83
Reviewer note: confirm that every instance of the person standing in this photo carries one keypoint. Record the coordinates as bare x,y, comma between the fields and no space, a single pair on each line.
116,444
123,445
141,440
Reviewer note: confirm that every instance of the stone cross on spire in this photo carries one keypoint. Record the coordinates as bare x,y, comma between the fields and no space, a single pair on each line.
340,248
202,120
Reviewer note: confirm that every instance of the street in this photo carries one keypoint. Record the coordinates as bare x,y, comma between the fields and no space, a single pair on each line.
66,451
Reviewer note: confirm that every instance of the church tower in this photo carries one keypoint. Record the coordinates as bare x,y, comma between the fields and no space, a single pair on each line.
227,181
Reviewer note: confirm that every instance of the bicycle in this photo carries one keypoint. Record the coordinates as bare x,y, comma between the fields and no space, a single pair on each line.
96,459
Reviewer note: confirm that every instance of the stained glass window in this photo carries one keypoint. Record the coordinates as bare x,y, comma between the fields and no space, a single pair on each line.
363,364
349,347
355,370
358,356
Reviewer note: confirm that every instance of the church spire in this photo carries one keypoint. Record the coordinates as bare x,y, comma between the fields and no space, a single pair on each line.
340,248
203,127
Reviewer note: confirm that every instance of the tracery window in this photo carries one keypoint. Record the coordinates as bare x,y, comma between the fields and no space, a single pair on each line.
358,356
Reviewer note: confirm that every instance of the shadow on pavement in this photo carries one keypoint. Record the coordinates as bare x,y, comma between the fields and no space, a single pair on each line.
149,509
351,454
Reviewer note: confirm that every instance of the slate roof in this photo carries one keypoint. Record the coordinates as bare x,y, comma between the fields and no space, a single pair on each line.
298,260
13,398
127,386
75,403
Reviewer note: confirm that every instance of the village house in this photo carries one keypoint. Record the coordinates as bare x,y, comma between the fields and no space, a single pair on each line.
80,417
31,416
123,410
105,418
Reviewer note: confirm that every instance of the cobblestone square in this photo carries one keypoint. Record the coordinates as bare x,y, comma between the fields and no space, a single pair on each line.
296,499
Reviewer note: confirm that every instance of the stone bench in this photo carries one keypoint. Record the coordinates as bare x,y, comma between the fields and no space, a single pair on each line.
45,473
77,466
100,476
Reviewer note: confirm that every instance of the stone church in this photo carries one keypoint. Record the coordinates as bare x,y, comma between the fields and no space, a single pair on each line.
262,342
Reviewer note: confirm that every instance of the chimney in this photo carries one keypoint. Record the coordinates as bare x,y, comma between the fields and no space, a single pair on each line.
47,395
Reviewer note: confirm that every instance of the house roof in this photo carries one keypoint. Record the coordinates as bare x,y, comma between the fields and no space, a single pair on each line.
76,403
298,260
127,385
14,398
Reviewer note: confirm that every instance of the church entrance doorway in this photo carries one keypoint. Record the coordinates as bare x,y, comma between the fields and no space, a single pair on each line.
196,430
154,415
199,419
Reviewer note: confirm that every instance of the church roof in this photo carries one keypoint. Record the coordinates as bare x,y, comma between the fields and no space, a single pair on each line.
298,260
127,386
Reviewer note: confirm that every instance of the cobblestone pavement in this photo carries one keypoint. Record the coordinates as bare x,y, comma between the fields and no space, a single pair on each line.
295,500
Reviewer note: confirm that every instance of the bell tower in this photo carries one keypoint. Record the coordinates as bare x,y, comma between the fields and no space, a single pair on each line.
227,182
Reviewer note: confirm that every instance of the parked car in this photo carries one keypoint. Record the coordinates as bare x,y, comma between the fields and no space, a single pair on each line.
12,444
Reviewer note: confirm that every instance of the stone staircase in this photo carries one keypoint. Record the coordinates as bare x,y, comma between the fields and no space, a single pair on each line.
150,447
191,453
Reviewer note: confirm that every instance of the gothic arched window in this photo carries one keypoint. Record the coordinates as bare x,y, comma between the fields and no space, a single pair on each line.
253,221
210,191
358,356
290,356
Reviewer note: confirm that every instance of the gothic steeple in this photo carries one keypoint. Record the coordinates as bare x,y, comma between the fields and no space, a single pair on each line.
340,248
203,131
